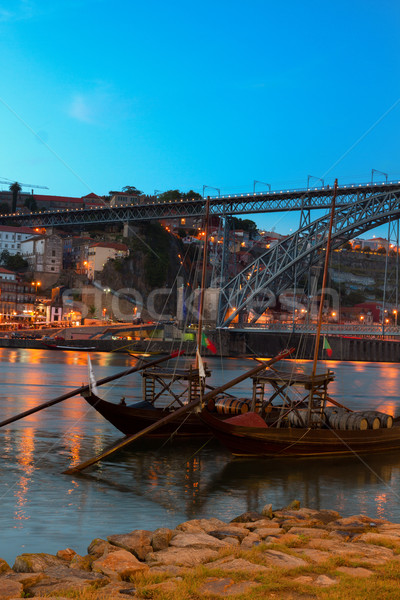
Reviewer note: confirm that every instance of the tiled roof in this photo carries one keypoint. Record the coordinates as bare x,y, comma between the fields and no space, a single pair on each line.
10,229
114,245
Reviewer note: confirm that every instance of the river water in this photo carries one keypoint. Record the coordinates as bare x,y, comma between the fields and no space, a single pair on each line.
157,484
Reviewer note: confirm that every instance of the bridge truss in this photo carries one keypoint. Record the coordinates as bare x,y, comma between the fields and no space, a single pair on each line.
274,201
253,290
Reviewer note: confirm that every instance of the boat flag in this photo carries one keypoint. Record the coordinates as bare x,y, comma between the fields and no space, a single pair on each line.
92,379
327,347
202,372
208,344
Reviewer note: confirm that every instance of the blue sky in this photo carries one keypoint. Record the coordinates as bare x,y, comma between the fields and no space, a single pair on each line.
96,95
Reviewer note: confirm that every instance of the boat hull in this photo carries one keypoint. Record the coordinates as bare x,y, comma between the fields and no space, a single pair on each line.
130,419
300,442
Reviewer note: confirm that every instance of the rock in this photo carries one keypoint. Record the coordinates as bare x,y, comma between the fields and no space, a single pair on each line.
294,505
311,532
267,511
247,517
374,555
121,564
355,571
315,556
184,557
116,589
98,547
378,538
62,579
304,579
33,563
137,542
161,538
67,554
320,517
215,586
357,523
283,560
340,535
10,589
4,566
264,532
325,581
251,540
260,524
199,525
197,540
233,532
82,563
229,563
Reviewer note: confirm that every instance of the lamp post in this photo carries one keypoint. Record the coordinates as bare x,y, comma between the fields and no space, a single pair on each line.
36,284
106,290
262,182
211,188
312,177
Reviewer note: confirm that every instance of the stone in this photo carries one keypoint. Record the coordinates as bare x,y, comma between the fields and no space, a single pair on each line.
264,532
184,557
225,587
10,589
4,566
370,554
355,571
338,534
283,560
116,589
320,516
98,547
169,569
32,563
294,505
67,554
82,563
248,517
262,524
229,563
267,511
199,525
315,556
234,532
357,523
378,538
61,579
311,532
161,538
121,564
251,540
325,581
137,542
197,540
304,579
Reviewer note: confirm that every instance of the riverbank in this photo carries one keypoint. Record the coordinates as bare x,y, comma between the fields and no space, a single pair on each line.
294,553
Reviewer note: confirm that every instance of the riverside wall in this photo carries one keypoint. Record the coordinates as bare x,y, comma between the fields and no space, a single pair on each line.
231,343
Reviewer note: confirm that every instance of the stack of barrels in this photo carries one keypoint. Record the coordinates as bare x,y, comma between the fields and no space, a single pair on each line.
226,405
342,419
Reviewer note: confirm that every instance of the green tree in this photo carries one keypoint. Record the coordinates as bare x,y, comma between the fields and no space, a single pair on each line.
13,262
15,188
30,203
130,189
170,196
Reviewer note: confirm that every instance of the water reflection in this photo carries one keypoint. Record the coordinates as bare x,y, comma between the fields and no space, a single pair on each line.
154,484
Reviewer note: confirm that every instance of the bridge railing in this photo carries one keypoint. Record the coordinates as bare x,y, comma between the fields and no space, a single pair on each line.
326,328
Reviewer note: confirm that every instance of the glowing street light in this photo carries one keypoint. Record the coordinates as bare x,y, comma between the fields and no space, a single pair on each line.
36,284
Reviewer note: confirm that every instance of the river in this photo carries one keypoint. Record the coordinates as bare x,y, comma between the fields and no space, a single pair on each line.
154,484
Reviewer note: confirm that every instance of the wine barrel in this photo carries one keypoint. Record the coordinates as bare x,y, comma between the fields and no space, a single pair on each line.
373,419
231,406
385,420
299,418
335,416
352,421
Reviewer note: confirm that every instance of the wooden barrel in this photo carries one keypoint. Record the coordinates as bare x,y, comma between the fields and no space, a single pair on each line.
353,421
374,421
299,418
385,420
231,406
334,417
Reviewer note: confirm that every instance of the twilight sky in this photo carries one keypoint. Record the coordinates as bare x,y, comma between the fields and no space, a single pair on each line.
96,95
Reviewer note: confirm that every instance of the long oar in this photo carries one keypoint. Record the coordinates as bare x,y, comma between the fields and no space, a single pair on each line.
86,388
176,413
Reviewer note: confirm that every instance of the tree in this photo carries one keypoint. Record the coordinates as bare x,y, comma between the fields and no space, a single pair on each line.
15,188
170,196
30,203
4,208
13,262
245,224
130,189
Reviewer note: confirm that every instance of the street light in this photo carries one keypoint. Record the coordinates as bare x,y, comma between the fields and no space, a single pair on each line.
395,316
312,177
380,173
262,182
211,188
36,284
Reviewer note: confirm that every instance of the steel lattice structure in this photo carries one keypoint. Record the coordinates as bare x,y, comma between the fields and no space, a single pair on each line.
274,271
277,201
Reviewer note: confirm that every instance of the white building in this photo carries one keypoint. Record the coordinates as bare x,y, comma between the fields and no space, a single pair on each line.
12,237
100,252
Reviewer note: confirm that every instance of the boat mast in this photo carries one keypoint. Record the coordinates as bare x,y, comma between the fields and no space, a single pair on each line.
325,276
203,282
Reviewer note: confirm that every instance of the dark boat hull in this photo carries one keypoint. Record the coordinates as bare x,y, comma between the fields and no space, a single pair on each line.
300,442
130,419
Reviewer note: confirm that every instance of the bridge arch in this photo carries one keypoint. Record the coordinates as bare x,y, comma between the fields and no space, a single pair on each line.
275,271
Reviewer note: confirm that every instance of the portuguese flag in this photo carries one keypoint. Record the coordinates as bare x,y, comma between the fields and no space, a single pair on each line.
208,344
327,347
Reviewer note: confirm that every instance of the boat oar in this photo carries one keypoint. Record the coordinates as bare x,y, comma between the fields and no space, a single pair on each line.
174,414
86,388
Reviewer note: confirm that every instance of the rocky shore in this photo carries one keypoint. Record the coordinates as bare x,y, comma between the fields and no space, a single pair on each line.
292,553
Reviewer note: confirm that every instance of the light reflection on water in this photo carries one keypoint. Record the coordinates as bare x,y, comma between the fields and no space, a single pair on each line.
154,484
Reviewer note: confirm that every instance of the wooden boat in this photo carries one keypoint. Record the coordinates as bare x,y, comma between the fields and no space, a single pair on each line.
302,424
293,428
153,407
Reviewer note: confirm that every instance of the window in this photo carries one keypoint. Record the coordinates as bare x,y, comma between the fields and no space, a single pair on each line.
53,252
